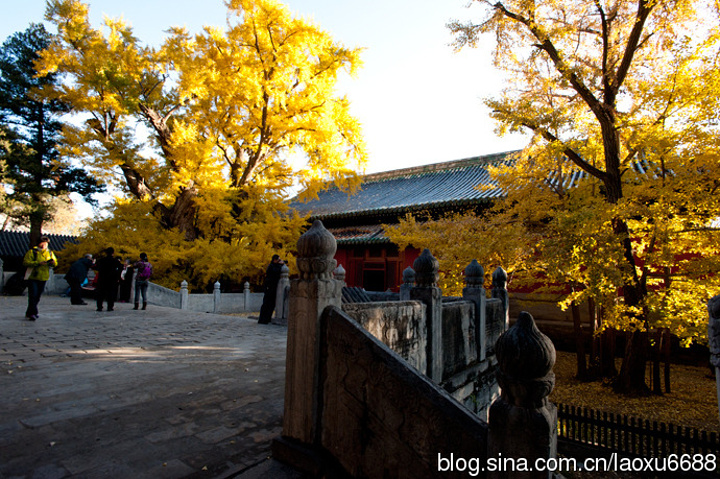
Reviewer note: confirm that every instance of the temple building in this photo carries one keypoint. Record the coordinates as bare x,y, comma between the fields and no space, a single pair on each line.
356,220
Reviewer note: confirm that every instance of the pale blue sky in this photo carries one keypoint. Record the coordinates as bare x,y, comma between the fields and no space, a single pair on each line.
418,101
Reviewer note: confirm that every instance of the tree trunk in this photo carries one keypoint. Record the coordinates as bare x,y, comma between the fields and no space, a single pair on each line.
656,352
666,338
36,224
37,219
607,356
631,379
595,344
182,214
582,372
136,182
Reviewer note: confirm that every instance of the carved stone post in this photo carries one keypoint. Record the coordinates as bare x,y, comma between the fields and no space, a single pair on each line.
281,298
408,283
426,290
132,289
339,273
309,296
714,339
216,297
184,295
474,291
523,423
499,290
50,285
246,296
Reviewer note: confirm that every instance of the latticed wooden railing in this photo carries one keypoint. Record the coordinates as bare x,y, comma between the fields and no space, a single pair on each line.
630,435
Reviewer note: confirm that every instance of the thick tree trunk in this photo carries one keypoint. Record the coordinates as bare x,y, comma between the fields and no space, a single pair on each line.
36,224
37,218
631,379
182,213
136,183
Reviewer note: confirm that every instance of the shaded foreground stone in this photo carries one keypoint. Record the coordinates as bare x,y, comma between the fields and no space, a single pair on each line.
143,394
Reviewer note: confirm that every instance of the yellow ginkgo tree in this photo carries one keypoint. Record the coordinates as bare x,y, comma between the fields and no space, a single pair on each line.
209,131
621,178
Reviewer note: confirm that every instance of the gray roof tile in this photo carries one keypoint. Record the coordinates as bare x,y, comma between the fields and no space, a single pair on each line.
422,187
17,243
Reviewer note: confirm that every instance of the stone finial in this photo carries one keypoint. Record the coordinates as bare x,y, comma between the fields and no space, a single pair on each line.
474,274
184,285
284,271
246,287
216,286
525,359
426,268
409,276
339,273
316,249
499,278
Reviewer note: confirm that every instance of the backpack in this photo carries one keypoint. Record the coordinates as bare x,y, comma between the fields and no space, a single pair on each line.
144,271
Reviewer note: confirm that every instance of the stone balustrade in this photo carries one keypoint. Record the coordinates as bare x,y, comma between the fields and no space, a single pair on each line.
377,389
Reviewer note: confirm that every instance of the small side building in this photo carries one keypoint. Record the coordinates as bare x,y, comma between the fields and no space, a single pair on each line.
14,245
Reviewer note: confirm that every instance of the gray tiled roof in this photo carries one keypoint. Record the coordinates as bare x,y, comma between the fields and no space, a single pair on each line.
422,187
17,243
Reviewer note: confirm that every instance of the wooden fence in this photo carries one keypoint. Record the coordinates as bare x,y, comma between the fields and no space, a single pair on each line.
630,435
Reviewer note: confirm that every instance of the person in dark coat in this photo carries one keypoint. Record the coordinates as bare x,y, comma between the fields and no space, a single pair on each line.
108,268
76,276
272,278
126,281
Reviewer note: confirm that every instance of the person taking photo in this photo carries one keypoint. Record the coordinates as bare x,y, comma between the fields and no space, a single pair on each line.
38,261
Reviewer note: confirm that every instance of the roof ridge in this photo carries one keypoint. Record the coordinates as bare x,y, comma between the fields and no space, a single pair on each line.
435,167
56,235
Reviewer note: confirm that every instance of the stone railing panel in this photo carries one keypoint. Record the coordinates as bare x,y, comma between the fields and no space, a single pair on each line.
399,325
495,322
382,418
458,333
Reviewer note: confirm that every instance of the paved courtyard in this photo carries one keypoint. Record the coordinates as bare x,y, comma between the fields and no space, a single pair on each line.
161,393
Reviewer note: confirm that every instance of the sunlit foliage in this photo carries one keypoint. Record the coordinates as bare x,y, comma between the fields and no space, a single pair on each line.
235,119
617,193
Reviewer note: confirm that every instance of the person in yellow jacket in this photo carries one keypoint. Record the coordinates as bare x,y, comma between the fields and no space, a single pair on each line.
38,260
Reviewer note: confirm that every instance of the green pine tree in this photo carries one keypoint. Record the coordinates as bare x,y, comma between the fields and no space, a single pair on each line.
33,172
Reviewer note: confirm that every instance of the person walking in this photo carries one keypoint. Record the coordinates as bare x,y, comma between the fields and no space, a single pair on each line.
108,270
272,278
39,259
142,279
75,277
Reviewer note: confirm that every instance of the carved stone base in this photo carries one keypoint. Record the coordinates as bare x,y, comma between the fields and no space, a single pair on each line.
522,433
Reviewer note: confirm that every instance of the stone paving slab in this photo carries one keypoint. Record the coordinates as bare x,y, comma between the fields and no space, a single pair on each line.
161,393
